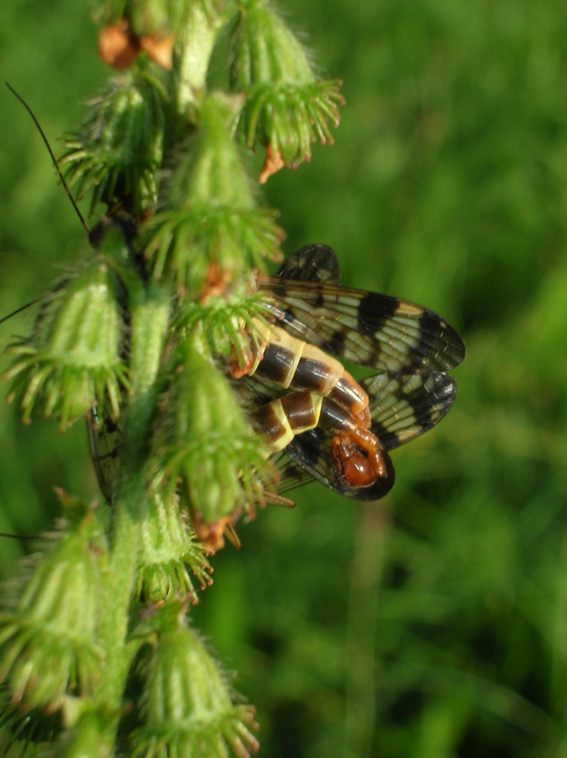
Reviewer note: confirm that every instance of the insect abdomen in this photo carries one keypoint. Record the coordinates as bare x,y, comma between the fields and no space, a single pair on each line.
290,362
280,420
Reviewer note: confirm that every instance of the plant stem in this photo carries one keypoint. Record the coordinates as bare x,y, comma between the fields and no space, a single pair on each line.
149,321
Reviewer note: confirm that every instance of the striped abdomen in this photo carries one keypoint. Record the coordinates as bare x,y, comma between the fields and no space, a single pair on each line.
293,363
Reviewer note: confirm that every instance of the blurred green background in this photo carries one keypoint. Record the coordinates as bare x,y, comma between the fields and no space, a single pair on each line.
434,623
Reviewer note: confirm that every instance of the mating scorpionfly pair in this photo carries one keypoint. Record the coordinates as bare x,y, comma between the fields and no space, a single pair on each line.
328,426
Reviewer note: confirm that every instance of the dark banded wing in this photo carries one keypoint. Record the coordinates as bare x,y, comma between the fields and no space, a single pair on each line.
105,439
366,328
411,346
402,407
312,263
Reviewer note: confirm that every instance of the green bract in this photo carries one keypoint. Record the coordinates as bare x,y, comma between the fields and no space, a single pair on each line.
72,361
169,550
47,639
287,107
210,220
119,146
205,440
187,705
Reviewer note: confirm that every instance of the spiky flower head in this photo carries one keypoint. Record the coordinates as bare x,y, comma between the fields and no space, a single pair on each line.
287,107
210,219
72,360
206,443
118,148
187,707
168,551
48,644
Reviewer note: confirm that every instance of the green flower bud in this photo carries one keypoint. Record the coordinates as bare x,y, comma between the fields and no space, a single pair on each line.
72,360
287,108
168,548
187,705
47,637
119,146
206,441
211,222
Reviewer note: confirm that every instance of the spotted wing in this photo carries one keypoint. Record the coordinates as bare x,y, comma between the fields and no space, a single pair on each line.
312,263
403,406
366,328
411,345
105,439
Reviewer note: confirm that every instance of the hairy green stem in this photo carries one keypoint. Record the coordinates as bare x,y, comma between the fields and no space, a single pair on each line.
199,39
149,314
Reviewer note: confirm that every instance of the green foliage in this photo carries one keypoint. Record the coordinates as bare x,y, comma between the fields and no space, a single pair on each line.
118,148
179,670
205,443
433,623
71,361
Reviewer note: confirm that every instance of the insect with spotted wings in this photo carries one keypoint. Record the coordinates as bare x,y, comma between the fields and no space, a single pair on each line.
335,437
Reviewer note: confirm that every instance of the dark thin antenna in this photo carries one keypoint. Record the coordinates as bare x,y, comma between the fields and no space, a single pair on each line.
22,308
83,222
48,146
